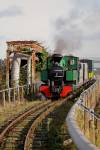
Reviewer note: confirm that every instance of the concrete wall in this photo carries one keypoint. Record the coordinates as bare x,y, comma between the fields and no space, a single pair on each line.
15,70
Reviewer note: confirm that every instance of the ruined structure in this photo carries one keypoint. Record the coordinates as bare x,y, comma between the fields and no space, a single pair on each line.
17,57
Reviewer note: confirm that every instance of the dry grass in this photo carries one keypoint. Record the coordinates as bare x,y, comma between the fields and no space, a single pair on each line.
91,133
97,108
11,110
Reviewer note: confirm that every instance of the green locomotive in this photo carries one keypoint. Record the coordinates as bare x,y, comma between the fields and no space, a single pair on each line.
60,76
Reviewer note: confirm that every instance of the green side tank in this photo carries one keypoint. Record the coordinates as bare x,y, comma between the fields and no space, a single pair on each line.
69,62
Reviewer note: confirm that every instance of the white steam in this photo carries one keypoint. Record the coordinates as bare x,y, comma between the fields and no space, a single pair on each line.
67,36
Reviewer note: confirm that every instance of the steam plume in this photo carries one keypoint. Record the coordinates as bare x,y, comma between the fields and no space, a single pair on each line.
67,37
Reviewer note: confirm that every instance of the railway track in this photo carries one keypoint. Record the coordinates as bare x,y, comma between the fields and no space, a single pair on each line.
12,137
20,133
37,138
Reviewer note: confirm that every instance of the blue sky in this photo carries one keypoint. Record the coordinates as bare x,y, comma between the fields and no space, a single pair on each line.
75,23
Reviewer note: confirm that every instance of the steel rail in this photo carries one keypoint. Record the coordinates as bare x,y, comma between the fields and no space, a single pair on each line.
30,135
20,118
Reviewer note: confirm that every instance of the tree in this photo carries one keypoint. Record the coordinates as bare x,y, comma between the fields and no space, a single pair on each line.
26,51
41,64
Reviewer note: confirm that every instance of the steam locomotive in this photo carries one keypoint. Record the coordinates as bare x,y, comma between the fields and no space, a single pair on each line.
62,74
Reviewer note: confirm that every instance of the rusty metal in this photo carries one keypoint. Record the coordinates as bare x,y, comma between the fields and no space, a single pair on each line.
19,125
30,135
20,118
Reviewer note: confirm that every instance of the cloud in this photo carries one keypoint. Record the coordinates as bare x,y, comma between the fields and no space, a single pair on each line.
11,11
2,37
74,21
79,31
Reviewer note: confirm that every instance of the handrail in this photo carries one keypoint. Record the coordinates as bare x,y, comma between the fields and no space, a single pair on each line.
13,88
78,137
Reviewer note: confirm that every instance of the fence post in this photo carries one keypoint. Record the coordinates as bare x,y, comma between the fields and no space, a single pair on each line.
4,100
22,93
9,96
98,133
14,95
18,93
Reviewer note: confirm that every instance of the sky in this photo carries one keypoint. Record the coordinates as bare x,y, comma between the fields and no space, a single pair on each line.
71,26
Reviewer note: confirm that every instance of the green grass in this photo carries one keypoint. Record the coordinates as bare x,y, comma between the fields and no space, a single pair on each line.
58,132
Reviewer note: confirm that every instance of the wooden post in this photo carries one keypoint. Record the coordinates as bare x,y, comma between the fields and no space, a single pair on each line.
9,96
14,95
87,124
89,98
93,130
4,100
22,94
98,133
18,93
33,70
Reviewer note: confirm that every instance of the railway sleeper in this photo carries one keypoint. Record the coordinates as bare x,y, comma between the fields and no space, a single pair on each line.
42,137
